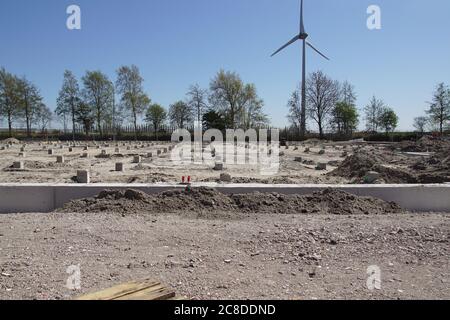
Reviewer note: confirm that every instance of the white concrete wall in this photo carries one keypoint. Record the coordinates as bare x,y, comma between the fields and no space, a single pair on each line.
16,198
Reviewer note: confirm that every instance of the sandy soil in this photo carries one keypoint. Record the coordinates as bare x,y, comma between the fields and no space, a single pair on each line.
394,167
235,256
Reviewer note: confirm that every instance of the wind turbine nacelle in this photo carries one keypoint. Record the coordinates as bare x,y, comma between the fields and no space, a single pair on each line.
303,36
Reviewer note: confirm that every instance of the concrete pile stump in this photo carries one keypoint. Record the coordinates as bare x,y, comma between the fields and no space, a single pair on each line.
18,165
137,159
83,176
321,166
119,167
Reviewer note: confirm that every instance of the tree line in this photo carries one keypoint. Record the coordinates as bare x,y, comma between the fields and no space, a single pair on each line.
331,106
20,100
95,102
228,100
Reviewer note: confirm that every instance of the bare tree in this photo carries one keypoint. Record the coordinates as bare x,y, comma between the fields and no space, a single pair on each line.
68,99
439,110
43,116
348,94
373,112
180,114
252,114
322,94
420,124
197,100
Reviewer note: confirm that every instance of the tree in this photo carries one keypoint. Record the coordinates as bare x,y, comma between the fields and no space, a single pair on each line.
29,101
214,120
345,118
130,85
9,98
43,116
180,114
98,93
348,95
322,94
388,120
252,114
226,92
420,123
295,110
373,112
84,116
156,115
197,100
439,110
68,99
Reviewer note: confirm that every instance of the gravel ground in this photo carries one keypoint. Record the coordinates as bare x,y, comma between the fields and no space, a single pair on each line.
238,256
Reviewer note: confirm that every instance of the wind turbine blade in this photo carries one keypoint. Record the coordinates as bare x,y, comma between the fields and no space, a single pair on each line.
302,27
287,44
312,47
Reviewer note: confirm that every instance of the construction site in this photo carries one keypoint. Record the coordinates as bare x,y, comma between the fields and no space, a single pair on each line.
310,232
164,150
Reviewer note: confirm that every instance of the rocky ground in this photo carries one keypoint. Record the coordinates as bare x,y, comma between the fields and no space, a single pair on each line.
240,257
346,162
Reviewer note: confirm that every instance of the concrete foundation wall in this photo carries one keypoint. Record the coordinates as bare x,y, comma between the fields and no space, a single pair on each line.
16,198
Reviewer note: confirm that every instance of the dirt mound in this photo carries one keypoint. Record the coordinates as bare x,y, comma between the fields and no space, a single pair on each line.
435,169
356,167
239,180
208,202
425,144
10,141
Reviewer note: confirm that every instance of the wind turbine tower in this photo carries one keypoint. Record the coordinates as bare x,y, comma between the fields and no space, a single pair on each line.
302,36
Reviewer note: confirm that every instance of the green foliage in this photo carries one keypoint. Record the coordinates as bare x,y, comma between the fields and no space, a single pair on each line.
156,115
388,120
214,120
98,93
345,118
230,95
133,98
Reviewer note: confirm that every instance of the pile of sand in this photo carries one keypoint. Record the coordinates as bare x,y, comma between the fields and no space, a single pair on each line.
209,202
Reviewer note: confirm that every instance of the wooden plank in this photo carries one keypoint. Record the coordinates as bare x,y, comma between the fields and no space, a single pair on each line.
120,290
154,293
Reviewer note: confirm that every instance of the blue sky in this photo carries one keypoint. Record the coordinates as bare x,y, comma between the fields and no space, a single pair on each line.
176,43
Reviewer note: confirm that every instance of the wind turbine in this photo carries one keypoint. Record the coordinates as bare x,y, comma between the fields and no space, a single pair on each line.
302,36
